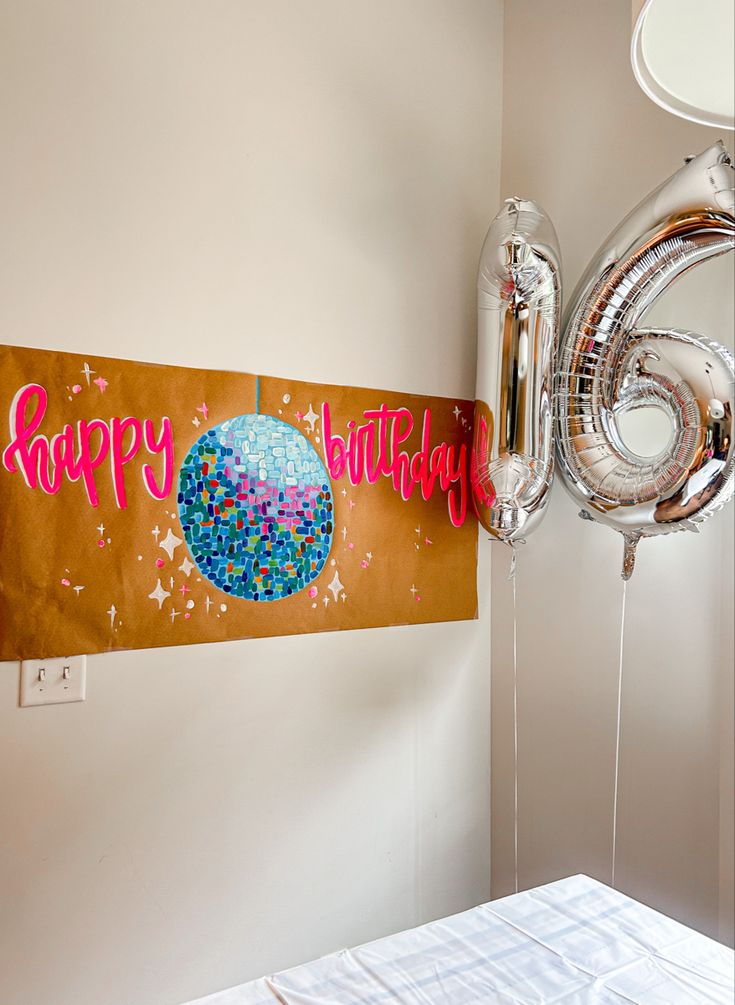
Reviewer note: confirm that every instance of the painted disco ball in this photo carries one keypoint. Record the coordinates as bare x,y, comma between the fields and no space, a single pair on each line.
256,507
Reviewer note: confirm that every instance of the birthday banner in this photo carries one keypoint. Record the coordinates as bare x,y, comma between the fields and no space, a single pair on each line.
145,505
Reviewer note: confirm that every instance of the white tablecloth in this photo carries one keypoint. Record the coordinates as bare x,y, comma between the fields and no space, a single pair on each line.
575,942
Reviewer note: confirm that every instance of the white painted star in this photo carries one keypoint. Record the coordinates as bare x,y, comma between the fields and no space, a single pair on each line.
78,589
87,372
186,567
209,604
325,601
311,417
413,590
344,533
170,543
457,412
352,504
418,530
101,529
344,597
156,532
174,614
159,594
195,421
335,586
369,556
344,492
112,612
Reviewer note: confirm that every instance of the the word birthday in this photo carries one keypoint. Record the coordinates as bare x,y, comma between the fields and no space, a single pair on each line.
79,450
374,450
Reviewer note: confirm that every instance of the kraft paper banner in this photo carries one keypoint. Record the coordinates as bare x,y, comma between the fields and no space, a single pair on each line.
145,505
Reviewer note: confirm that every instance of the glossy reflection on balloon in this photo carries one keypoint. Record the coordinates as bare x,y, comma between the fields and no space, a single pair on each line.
610,365
518,306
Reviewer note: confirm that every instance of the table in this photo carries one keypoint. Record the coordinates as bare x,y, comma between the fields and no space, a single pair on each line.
575,942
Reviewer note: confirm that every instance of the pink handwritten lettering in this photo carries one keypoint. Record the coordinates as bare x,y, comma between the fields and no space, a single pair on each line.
374,450
163,445
483,491
79,450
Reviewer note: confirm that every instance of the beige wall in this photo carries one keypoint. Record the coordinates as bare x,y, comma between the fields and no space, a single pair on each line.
582,139
303,188
291,187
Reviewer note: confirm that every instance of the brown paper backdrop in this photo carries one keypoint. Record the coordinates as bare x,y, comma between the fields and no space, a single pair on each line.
421,568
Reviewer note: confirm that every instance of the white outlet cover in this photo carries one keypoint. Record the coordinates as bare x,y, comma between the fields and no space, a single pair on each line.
53,681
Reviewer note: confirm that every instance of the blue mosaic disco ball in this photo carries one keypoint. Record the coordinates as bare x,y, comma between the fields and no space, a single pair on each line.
256,507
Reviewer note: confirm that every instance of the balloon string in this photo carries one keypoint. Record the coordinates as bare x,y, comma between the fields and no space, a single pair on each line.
512,577
617,737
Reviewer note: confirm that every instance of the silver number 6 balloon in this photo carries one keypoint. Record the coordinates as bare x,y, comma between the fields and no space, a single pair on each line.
609,365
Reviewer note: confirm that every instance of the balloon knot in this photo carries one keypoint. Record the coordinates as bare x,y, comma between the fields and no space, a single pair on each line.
629,553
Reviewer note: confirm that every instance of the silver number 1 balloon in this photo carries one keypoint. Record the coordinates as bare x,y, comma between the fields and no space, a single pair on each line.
518,307
609,365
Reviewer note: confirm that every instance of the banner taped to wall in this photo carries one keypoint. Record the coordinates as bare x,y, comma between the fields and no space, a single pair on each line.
144,505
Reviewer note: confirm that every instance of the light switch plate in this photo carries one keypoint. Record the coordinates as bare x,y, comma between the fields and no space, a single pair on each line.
51,682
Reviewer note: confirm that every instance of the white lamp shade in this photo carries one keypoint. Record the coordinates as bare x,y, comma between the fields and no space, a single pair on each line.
683,56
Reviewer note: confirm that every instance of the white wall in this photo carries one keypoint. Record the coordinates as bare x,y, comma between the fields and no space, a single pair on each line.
292,187
582,139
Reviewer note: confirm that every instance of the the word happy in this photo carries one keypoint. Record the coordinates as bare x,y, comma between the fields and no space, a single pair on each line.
374,450
80,449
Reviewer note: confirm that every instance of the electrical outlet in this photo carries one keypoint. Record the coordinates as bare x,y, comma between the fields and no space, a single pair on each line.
51,682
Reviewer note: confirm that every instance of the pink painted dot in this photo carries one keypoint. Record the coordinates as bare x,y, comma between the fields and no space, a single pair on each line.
313,592
187,616
350,546
364,563
101,543
418,598
65,582
77,388
159,563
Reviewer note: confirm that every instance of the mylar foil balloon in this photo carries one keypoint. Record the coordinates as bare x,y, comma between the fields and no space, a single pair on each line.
608,365
518,309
